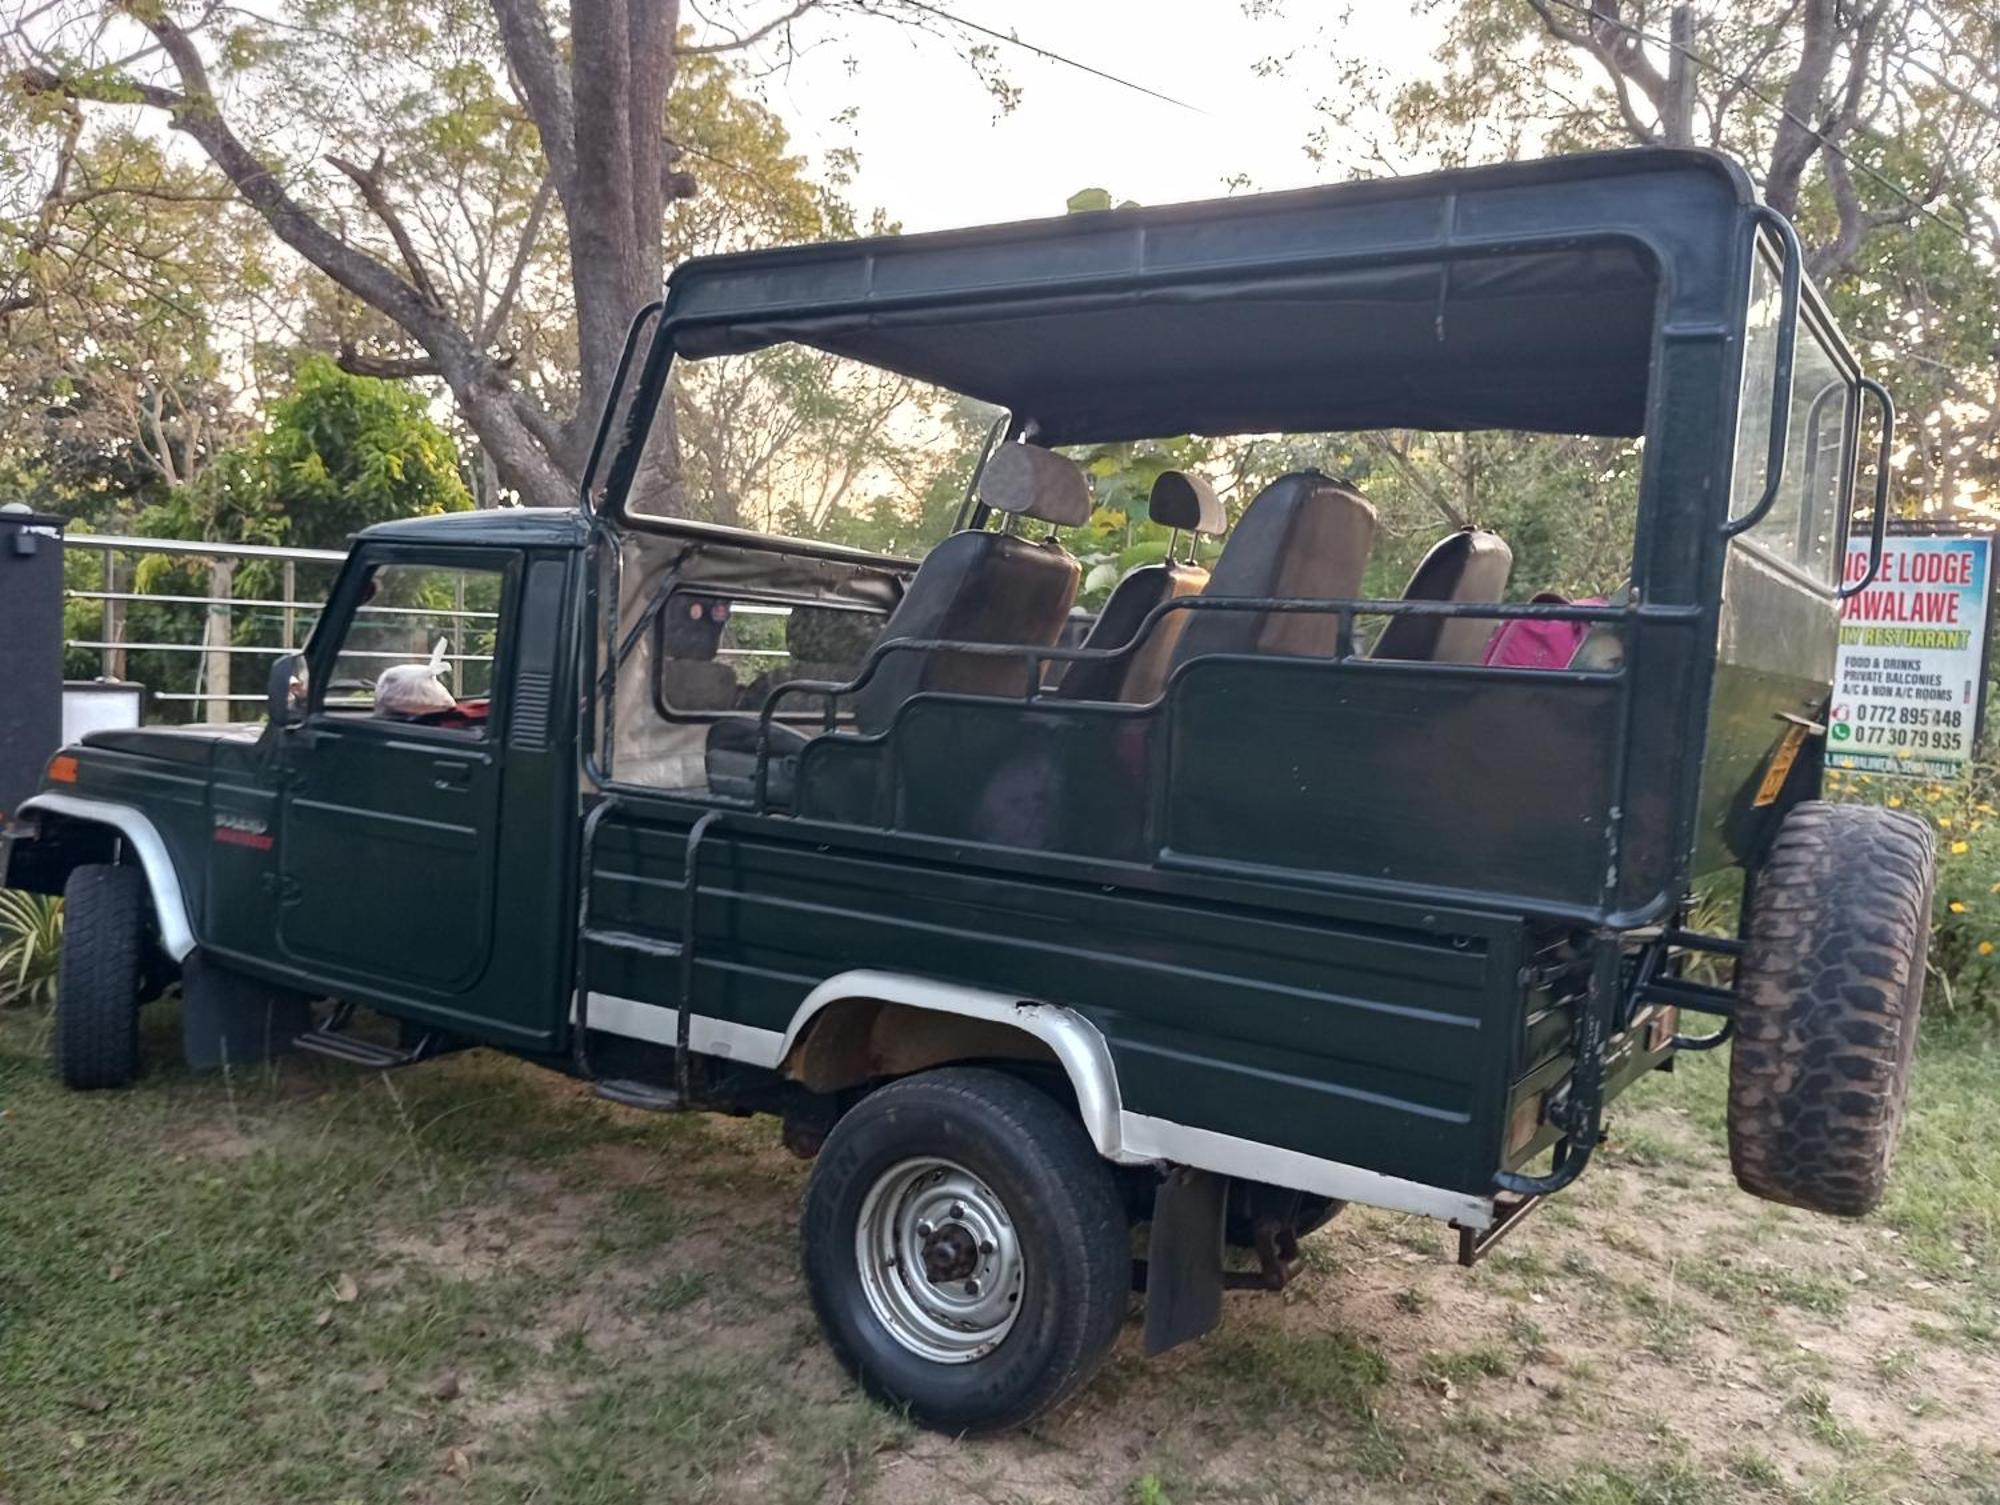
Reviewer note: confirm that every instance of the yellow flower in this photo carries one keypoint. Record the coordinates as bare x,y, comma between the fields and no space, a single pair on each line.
1960,846
1984,809
1995,889
1895,802
1944,822
1957,906
1985,948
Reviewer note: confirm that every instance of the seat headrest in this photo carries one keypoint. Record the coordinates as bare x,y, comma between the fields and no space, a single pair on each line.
1030,481
1187,502
1469,566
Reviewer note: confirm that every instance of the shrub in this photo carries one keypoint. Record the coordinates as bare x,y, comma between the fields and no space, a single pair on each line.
1965,934
30,937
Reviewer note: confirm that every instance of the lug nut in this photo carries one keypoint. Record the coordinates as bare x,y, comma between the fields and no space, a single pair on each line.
957,1210
986,1246
924,1229
972,1288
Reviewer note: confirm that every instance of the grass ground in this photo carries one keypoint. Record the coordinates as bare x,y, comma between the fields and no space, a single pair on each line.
470,1282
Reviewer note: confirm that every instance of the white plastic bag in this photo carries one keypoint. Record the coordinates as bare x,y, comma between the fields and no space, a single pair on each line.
410,690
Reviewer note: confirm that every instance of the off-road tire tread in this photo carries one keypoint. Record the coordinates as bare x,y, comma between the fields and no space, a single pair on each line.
98,976
1080,1196
1828,992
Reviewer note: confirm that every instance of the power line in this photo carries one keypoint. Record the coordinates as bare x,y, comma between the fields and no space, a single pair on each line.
1046,54
1962,231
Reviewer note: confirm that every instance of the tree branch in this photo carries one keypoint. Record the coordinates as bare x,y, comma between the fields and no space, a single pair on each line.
1607,59
386,367
530,233
545,87
749,38
369,181
1795,140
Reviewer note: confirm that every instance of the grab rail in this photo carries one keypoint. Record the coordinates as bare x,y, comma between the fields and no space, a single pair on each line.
1791,275
1884,443
1036,658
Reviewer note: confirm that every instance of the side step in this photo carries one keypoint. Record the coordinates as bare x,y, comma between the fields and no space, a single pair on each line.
332,1040
646,1095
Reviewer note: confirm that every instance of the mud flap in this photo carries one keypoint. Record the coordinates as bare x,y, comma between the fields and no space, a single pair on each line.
228,1019
1184,1259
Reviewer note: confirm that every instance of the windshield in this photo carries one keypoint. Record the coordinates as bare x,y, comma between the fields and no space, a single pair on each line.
795,442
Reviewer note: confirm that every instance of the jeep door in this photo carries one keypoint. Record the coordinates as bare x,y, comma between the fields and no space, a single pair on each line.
389,811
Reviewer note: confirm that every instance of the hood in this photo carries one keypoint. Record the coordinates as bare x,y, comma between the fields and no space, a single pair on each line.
176,744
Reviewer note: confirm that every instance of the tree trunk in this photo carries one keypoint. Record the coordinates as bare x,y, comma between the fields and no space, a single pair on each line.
602,121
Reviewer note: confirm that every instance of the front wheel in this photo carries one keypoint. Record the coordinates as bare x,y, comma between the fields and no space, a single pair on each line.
966,1249
98,976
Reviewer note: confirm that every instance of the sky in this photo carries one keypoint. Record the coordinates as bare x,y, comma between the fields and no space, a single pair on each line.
935,152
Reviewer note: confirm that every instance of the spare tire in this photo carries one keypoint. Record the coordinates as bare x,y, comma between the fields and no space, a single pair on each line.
1828,991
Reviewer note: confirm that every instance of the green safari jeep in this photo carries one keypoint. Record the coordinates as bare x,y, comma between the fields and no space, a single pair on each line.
1246,898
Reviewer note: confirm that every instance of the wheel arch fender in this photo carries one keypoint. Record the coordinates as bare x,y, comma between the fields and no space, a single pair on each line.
143,839
1072,1041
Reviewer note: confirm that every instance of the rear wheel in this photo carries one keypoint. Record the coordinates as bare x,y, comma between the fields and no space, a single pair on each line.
98,976
1829,988
966,1249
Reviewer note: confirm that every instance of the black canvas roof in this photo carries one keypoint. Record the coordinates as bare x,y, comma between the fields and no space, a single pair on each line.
1522,295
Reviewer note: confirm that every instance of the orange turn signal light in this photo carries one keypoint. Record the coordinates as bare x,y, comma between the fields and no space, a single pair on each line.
62,769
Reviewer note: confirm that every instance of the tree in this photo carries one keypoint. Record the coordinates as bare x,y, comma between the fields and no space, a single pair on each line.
1873,124
114,305
339,452
317,117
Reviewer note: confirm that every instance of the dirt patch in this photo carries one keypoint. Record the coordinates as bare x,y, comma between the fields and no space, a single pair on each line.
1653,1321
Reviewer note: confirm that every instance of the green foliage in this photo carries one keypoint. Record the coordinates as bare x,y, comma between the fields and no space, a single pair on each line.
1965,938
1566,505
339,453
344,451
30,937
1914,131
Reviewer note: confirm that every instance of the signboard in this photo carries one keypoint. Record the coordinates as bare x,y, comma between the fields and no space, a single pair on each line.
1910,682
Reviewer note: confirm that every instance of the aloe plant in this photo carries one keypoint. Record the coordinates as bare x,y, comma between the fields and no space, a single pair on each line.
30,937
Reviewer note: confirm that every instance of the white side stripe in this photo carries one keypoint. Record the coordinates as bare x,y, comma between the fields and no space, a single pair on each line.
1183,1144
638,1020
1121,1136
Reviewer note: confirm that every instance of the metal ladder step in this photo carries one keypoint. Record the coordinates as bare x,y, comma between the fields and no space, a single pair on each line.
625,940
632,1094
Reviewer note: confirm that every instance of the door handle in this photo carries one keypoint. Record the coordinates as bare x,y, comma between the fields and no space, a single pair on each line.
450,775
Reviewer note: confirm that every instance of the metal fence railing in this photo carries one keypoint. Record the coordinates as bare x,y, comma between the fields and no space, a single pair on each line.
288,613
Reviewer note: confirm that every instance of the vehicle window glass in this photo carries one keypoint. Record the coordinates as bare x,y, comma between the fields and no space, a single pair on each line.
795,442
720,653
411,617
1804,521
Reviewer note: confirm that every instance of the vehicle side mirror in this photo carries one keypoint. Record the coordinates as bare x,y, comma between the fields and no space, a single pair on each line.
286,692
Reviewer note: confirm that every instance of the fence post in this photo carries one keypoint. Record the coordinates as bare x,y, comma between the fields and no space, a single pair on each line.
114,620
215,640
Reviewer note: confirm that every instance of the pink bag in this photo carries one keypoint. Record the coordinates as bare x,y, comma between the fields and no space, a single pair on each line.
1528,644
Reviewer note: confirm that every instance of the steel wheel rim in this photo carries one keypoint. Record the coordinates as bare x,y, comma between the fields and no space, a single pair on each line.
940,1261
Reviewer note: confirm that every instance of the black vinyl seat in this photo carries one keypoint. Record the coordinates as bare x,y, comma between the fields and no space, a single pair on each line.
1306,536
977,586
1189,505
1467,566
